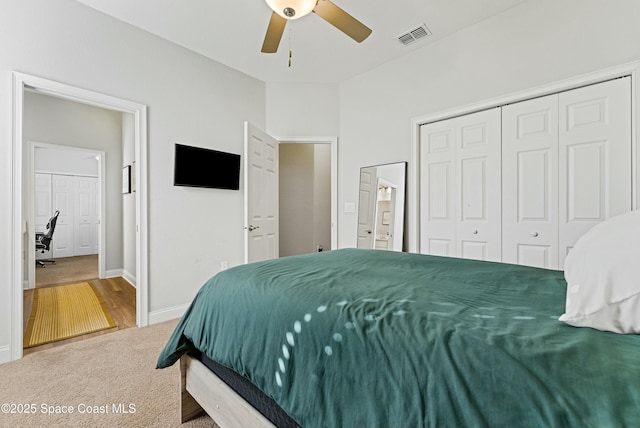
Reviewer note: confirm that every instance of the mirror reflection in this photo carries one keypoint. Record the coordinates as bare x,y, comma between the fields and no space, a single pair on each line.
381,206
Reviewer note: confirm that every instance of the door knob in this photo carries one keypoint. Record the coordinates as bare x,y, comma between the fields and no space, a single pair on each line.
475,232
534,234
252,228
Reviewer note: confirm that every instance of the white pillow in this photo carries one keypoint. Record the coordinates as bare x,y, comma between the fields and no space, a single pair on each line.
603,277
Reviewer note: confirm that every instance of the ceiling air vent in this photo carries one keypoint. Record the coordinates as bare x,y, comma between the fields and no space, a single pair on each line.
414,35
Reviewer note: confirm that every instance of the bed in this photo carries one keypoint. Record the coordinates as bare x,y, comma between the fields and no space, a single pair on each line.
369,338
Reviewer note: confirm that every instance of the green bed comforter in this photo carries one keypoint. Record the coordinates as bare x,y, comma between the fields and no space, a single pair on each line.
365,338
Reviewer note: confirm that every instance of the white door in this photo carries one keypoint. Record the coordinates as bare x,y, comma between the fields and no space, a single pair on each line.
62,195
438,188
42,207
460,185
261,195
594,158
478,186
366,206
530,182
85,216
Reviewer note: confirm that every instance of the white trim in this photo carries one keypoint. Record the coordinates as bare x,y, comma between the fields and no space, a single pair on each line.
129,277
167,314
32,145
630,69
20,83
5,354
113,273
334,176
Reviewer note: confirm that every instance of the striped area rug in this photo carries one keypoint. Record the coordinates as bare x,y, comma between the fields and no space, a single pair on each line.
66,311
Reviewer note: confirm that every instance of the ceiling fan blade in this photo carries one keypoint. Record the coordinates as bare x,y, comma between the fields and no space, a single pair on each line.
274,33
342,20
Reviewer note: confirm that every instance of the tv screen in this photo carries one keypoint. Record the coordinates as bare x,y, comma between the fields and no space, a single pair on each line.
199,167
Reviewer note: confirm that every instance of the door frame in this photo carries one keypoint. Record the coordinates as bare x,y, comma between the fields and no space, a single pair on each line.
333,141
20,82
631,69
29,282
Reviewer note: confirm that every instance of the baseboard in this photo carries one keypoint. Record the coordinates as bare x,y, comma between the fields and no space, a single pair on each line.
5,354
131,279
167,314
112,273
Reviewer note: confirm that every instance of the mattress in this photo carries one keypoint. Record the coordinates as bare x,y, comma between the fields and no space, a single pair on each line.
254,396
374,338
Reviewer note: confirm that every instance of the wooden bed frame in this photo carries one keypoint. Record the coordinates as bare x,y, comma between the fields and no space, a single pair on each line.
201,391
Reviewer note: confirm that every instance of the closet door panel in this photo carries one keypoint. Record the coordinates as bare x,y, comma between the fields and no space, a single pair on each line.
595,158
478,163
42,201
438,188
530,182
42,208
63,201
85,216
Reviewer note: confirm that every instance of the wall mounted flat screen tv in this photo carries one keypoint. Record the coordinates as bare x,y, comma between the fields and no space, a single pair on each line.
200,167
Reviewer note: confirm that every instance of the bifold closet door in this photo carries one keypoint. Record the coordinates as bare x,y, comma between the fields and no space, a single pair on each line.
460,187
594,158
478,160
63,193
42,207
530,182
86,216
438,188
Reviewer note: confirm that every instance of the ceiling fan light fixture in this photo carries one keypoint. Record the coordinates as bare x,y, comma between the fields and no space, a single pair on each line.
292,9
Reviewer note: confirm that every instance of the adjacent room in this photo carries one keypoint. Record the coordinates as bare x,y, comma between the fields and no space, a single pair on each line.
419,213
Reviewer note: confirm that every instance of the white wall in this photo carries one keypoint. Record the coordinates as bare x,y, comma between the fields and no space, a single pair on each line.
302,109
191,99
322,196
537,42
296,199
305,198
57,121
56,161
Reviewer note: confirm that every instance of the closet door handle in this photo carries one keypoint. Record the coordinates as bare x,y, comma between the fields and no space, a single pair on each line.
534,234
475,232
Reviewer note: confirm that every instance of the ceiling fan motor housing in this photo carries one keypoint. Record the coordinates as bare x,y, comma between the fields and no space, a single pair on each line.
292,9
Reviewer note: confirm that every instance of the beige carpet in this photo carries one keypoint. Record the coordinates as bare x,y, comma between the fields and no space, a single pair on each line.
66,311
113,369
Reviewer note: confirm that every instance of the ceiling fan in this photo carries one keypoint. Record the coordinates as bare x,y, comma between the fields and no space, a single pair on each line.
284,10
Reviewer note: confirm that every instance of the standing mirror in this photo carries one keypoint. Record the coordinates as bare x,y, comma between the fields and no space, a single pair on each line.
381,206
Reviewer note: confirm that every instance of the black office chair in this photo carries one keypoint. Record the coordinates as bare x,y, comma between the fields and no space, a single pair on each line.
43,240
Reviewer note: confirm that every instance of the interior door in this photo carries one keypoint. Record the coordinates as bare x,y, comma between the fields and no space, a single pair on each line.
366,207
42,208
594,158
261,195
86,216
438,188
530,182
479,180
62,194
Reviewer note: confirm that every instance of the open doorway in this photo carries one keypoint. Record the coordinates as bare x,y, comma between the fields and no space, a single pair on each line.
132,117
307,194
67,181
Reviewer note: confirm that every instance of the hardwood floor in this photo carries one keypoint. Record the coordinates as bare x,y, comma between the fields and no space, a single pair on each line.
118,294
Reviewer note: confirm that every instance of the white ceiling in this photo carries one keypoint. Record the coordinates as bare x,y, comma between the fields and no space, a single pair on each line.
232,32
